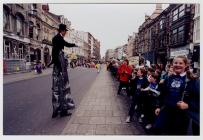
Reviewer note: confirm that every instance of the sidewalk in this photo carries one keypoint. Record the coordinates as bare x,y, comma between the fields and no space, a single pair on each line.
102,111
10,78
24,76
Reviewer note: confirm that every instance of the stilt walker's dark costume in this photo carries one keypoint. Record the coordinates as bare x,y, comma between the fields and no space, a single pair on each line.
61,99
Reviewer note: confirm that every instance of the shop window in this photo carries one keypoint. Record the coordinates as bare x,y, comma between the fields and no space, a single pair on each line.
21,51
15,52
7,52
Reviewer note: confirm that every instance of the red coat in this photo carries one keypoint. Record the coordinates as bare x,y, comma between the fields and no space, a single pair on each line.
124,73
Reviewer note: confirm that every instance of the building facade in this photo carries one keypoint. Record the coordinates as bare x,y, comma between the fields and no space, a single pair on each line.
131,45
118,52
27,35
109,55
146,31
181,30
135,48
196,38
16,37
167,33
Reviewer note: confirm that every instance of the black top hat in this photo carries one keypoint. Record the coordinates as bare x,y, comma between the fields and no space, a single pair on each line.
62,27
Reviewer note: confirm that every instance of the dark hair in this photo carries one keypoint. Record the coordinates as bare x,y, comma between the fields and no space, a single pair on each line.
127,61
155,76
168,66
150,69
143,71
153,66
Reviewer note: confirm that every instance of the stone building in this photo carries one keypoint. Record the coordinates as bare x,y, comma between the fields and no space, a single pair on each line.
27,35
92,46
167,33
118,52
96,50
135,48
109,55
181,30
130,45
145,35
16,36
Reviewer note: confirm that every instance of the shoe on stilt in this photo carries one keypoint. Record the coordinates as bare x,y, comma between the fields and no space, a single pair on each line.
54,115
65,113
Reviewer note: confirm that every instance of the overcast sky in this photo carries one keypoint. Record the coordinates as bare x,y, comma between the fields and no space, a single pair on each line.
109,23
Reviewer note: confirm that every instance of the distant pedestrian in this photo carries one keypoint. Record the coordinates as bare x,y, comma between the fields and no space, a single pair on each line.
98,67
61,99
38,68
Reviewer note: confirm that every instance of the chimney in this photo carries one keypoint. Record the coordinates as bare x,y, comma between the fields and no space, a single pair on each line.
45,8
158,6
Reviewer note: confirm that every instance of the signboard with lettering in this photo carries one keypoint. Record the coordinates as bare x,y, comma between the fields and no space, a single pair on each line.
179,52
134,60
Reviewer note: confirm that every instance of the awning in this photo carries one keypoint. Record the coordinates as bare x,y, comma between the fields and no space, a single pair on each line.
22,39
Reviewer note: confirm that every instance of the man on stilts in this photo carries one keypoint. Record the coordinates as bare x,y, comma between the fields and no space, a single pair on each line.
61,99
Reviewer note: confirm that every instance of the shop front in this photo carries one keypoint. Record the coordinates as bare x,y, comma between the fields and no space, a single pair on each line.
15,54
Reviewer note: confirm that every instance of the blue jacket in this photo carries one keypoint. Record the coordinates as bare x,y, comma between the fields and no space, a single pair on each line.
137,84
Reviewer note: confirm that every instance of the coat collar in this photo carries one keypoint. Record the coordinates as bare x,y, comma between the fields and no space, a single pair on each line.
182,74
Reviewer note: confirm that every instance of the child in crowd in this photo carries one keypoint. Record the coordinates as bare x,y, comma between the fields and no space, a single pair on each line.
179,97
150,70
169,71
139,82
151,98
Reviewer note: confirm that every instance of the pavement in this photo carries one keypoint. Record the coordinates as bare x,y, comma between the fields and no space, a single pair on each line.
10,78
102,111
15,77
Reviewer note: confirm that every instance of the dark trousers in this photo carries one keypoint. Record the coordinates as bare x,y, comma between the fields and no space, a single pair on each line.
149,109
171,121
133,104
124,84
195,129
